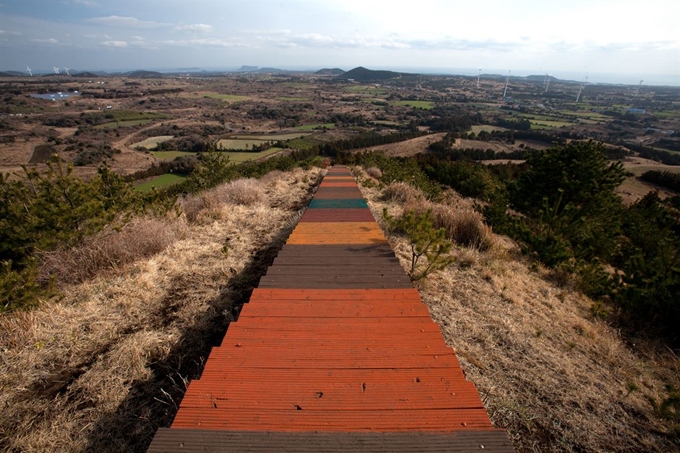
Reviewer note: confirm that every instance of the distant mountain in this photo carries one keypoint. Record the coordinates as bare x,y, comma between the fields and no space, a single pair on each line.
247,69
271,70
362,74
13,74
86,74
143,74
540,78
327,71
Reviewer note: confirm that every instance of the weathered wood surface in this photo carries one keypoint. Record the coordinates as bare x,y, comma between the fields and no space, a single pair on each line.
334,352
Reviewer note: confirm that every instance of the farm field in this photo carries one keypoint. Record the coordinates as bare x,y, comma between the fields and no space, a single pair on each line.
160,182
170,155
239,144
269,137
239,158
487,128
152,142
227,97
311,127
427,105
121,124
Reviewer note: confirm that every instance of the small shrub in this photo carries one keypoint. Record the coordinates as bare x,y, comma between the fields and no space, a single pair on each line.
425,241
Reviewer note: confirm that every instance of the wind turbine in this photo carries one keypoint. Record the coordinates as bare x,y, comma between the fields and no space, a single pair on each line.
66,69
638,88
30,73
581,89
55,70
507,79
479,75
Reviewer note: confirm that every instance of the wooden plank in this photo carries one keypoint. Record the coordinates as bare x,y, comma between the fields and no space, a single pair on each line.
318,294
326,204
333,421
334,309
207,441
331,396
312,376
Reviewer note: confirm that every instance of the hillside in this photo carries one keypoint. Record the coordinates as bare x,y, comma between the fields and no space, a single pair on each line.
328,71
361,74
557,378
103,365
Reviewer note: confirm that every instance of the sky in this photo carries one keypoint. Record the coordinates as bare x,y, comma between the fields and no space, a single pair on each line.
610,41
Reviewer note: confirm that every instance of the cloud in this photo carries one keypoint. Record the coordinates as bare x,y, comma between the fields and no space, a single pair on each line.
118,44
195,28
46,41
85,2
206,42
124,22
5,32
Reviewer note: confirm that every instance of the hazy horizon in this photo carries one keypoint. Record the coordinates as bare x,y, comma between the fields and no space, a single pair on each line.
609,41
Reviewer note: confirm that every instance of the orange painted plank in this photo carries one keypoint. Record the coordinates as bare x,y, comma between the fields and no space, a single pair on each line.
331,396
334,309
333,421
312,376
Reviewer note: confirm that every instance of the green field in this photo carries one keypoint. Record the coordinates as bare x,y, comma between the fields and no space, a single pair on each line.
227,97
231,143
311,127
427,105
170,155
292,99
487,128
238,158
160,182
268,137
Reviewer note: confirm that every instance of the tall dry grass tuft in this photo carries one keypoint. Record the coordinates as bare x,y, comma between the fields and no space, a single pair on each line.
140,238
245,192
192,206
463,224
103,366
374,172
401,192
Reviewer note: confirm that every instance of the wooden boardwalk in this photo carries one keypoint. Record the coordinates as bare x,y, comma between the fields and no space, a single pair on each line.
334,352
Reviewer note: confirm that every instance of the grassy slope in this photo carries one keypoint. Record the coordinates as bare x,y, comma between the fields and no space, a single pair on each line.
103,367
554,377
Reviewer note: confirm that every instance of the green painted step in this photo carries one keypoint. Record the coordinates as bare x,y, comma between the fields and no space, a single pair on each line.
346,203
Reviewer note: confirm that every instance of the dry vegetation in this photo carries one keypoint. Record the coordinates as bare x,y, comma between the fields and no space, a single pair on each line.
104,365
555,377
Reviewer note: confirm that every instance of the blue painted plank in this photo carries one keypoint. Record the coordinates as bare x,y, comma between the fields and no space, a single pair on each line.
347,203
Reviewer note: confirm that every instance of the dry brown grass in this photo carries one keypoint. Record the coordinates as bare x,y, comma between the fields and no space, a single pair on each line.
140,238
402,192
554,377
374,172
102,367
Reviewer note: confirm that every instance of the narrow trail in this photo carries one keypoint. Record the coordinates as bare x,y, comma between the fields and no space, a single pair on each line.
334,352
